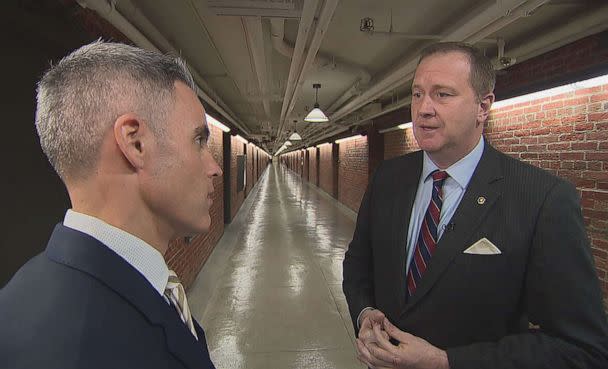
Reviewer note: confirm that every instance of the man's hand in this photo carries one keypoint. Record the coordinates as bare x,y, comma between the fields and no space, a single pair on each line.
411,353
367,338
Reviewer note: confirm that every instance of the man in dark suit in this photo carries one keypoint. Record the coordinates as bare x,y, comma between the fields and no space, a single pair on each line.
464,257
127,134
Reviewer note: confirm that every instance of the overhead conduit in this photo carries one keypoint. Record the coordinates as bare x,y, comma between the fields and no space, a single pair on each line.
481,25
107,11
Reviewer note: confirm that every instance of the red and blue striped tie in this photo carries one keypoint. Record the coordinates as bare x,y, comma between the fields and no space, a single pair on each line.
427,238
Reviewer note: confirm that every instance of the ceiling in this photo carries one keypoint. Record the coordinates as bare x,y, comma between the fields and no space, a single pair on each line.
255,61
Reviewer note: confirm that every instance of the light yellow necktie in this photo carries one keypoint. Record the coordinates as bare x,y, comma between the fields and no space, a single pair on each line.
176,294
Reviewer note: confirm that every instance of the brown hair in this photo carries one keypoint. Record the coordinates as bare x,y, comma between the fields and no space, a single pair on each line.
482,75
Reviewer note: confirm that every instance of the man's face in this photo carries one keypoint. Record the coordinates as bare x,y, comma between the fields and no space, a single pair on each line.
447,115
179,188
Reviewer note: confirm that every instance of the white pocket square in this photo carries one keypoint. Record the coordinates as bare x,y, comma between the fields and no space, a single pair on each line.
483,247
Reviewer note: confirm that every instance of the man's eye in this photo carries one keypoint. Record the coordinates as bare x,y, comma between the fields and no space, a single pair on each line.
443,94
201,141
416,94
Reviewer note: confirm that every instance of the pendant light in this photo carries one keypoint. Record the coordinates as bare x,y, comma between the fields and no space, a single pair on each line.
316,115
295,136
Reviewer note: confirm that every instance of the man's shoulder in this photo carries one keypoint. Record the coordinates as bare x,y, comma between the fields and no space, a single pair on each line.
526,171
527,177
402,162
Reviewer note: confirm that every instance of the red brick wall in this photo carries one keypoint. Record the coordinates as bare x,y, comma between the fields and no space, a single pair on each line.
312,163
236,198
567,135
399,142
352,172
326,169
585,57
187,259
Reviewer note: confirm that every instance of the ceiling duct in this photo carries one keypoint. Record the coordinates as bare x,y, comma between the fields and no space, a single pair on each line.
256,8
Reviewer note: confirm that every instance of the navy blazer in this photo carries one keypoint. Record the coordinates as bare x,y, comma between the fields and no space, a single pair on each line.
80,305
477,307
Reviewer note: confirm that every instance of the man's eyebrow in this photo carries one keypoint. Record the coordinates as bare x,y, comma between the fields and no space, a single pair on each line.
435,87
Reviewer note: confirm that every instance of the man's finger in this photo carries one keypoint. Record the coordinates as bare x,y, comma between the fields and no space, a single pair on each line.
362,353
375,316
396,333
380,357
383,340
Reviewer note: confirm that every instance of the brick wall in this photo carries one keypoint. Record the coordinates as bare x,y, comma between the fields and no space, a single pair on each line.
326,169
352,172
236,198
375,141
312,164
399,142
187,259
567,135
586,57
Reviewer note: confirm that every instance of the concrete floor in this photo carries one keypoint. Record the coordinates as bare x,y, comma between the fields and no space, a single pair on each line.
270,295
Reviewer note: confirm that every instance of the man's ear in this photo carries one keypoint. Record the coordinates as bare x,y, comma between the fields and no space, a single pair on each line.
485,105
130,133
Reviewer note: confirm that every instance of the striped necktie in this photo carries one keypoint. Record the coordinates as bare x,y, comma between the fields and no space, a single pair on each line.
427,238
176,294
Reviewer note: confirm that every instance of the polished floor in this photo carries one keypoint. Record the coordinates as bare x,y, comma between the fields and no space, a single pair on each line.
270,295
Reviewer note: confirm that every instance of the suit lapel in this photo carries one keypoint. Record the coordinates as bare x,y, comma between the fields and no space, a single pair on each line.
403,203
484,189
80,251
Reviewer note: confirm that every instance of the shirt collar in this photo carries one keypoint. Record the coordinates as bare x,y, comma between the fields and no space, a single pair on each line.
141,255
461,171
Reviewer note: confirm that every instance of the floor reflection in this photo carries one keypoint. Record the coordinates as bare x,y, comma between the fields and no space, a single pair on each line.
279,302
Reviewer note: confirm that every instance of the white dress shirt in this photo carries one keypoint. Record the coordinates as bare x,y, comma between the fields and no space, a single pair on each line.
140,255
453,190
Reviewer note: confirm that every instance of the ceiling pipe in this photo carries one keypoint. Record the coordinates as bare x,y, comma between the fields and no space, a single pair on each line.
411,36
277,34
468,30
321,136
522,11
107,11
322,60
252,26
327,13
595,21
308,12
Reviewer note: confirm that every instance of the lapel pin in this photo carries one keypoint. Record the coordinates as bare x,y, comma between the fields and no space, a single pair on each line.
481,200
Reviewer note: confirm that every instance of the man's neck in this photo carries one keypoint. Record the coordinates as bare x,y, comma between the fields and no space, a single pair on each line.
122,213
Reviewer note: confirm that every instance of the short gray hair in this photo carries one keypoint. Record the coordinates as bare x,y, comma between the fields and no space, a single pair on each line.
80,97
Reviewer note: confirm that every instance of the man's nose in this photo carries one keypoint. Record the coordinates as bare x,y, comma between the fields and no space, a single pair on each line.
212,168
426,106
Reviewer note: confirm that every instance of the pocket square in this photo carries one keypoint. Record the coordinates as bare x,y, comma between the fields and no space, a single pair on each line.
483,247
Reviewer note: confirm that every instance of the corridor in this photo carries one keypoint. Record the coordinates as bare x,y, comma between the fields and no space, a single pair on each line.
270,295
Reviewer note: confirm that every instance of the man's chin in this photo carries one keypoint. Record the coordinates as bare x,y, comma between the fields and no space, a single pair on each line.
429,146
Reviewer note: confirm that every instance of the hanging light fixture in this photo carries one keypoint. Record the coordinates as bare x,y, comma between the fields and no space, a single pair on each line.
295,136
316,115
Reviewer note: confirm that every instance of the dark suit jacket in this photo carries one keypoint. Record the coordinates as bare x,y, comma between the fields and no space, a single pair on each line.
477,307
80,305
